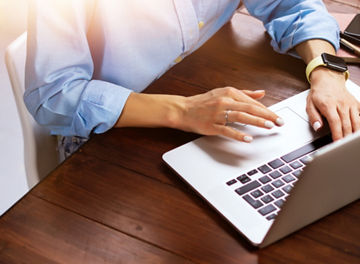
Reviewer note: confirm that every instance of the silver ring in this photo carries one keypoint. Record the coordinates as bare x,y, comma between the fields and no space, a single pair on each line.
227,112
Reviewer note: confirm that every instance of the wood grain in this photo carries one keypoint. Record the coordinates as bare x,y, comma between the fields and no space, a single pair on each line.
155,212
66,237
175,219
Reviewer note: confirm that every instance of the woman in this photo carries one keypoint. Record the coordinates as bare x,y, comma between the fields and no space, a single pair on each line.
89,59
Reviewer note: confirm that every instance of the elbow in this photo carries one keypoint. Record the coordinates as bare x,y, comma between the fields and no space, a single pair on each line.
43,113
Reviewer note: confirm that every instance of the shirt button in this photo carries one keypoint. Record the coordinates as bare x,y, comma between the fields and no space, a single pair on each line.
178,59
201,24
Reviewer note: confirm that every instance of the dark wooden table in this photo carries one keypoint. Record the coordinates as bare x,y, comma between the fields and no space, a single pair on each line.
115,201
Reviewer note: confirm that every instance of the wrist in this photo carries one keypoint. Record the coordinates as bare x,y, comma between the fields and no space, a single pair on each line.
174,110
327,64
321,73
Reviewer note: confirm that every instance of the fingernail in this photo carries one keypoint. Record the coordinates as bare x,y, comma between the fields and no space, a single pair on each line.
279,121
316,125
269,124
248,138
259,91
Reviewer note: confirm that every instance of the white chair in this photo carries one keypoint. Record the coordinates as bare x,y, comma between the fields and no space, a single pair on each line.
40,148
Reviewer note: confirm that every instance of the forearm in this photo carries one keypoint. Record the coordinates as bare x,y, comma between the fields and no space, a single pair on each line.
310,49
151,110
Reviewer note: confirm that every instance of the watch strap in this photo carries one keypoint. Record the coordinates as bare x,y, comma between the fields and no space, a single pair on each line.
317,62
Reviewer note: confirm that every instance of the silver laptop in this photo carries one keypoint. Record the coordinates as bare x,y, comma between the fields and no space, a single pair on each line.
287,178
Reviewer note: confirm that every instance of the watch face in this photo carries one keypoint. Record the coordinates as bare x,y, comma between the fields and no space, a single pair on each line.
334,62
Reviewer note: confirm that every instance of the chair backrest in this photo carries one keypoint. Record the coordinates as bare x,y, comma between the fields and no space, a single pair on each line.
40,148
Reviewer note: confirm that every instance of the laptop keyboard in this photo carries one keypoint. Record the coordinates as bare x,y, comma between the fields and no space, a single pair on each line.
266,187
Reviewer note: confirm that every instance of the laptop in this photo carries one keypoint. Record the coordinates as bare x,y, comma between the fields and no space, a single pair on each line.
287,178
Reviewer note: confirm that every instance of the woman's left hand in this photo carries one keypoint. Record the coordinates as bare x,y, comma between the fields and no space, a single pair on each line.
329,97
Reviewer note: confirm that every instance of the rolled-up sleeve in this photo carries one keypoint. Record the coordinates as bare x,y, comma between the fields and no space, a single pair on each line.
60,90
290,22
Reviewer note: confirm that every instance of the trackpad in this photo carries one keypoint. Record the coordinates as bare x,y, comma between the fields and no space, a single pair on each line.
295,128
267,143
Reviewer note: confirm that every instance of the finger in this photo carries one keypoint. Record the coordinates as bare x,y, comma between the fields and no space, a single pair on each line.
258,94
256,111
344,114
355,119
335,124
242,96
229,94
314,115
246,118
233,133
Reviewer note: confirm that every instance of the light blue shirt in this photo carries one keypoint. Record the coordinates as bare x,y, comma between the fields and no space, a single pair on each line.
86,56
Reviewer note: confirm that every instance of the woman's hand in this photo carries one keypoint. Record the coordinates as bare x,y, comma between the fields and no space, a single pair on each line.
206,114
329,97
209,113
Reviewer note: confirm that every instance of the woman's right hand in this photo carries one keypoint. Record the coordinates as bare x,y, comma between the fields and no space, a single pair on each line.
210,112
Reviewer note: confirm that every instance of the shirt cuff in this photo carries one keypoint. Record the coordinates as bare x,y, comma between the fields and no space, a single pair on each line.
328,31
99,108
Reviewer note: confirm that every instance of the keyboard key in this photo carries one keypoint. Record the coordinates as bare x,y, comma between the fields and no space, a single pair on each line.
297,173
277,183
318,143
254,203
256,193
271,217
287,188
296,164
267,199
267,188
285,169
288,178
243,178
275,174
231,182
306,159
279,202
264,179
247,188
252,172
267,209
277,194
264,169
276,163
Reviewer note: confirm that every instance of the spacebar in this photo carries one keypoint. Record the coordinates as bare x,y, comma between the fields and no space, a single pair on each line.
318,143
